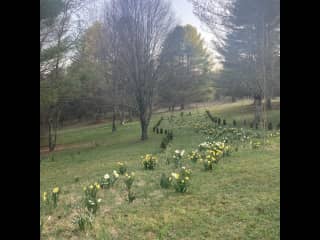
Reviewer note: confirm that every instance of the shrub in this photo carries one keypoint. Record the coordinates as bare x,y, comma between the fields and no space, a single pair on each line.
149,162
122,168
224,122
181,114
219,121
157,130
165,141
245,122
165,181
251,125
270,126
234,123
257,125
166,131
161,131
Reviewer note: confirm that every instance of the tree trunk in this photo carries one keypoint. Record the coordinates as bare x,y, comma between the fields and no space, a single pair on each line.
268,104
53,123
130,115
145,115
122,117
114,119
144,130
52,136
182,106
51,148
258,108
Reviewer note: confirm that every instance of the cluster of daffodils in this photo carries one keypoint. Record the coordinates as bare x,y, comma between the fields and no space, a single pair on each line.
178,153
194,156
128,180
108,181
205,146
181,180
122,168
52,198
90,200
221,148
177,157
275,134
148,161
211,152
227,134
211,157
255,144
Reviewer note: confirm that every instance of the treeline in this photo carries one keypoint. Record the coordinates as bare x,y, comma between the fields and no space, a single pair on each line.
120,66
133,57
247,38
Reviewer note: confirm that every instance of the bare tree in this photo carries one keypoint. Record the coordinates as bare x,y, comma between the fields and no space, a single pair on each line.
56,41
137,29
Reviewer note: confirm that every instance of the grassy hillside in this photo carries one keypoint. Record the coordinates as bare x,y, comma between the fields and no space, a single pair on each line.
239,199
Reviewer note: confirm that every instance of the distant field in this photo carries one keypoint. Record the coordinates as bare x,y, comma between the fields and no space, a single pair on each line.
240,199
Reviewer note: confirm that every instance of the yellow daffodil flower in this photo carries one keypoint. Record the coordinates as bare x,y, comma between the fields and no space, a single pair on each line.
175,175
45,196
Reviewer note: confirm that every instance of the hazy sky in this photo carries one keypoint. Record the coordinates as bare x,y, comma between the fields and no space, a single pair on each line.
184,15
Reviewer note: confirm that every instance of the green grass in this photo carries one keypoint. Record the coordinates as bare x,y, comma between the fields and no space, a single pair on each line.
240,199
